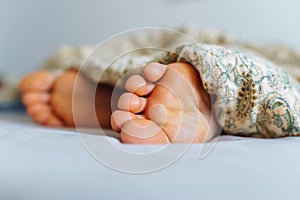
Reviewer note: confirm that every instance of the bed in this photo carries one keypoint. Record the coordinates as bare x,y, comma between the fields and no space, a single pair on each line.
38,162
41,163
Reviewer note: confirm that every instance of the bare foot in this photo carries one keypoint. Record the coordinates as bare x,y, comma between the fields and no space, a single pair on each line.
169,106
48,99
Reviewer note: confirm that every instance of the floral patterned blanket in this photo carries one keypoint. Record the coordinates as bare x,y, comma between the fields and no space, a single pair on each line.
254,97
256,93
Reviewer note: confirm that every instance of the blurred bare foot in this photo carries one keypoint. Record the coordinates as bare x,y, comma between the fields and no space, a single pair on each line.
48,99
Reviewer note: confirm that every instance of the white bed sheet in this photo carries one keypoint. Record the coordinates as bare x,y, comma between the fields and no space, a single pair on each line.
44,163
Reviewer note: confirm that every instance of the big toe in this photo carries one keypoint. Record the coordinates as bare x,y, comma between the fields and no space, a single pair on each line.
143,131
119,118
38,81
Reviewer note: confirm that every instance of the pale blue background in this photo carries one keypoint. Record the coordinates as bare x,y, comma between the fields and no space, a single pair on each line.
52,164
30,30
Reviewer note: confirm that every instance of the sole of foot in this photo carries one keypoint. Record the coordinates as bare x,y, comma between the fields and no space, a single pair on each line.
166,105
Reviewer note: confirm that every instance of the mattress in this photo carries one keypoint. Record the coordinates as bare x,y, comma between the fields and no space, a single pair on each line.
39,162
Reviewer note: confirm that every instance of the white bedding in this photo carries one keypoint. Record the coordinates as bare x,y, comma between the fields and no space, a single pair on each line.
44,163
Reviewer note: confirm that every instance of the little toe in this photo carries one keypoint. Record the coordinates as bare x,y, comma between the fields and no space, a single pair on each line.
154,71
41,117
39,112
36,108
54,121
43,114
132,103
38,81
34,96
143,131
137,85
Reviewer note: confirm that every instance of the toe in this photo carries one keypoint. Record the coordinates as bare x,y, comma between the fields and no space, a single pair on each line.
36,108
154,71
119,117
143,131
54,121
43,114
137,85
34,97
132,103
38,81
41,117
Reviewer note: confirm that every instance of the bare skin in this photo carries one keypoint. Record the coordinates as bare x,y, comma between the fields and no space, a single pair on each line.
177,109
48,99
168,105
